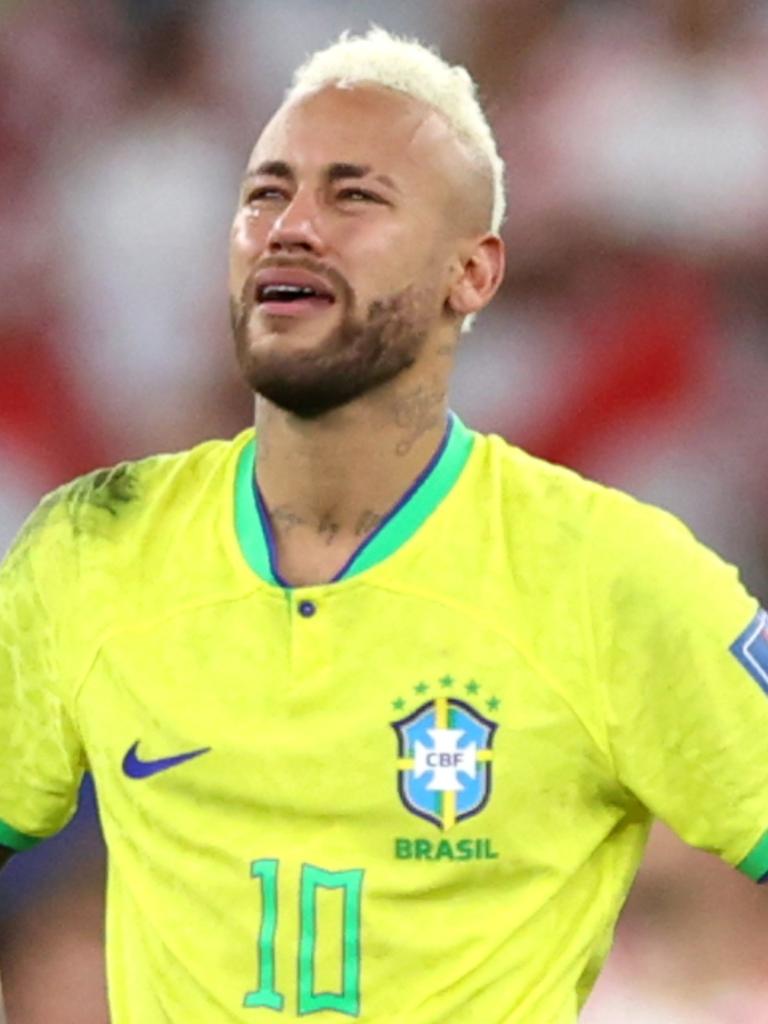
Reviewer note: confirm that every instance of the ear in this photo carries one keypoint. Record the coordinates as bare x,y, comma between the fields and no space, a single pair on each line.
480,274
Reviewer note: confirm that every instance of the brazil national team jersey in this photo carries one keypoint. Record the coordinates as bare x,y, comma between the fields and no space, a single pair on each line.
416,794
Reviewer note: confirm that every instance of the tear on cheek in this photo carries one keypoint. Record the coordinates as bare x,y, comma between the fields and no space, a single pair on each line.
244,251
244,226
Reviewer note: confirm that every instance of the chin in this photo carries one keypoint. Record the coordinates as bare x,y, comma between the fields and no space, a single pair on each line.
308,397
310,365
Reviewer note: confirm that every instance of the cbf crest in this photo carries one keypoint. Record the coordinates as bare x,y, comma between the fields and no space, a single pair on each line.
445,759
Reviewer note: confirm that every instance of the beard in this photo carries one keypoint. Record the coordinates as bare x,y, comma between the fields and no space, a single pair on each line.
359,354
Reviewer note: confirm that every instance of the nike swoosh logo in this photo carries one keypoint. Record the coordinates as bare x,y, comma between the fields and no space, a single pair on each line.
135,768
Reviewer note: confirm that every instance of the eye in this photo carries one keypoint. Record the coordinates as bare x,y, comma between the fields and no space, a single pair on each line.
358,195
265,193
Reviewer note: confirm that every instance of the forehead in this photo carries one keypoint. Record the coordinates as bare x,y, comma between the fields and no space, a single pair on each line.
367,125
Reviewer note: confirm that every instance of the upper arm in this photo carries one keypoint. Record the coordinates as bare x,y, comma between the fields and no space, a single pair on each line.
688,723
41,759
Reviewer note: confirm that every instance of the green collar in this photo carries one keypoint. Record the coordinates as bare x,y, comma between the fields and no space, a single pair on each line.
254,530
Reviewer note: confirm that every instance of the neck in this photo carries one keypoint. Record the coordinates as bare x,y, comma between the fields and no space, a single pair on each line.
328,482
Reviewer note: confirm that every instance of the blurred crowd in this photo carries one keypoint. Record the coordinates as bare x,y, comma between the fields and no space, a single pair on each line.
630,340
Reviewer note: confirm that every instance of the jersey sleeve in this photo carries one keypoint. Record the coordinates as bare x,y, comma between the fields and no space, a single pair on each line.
41,758
678,651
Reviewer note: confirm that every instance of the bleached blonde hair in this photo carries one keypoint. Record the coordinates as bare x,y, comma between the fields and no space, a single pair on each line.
380,58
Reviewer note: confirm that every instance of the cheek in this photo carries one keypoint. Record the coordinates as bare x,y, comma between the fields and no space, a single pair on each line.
405,261
246,243
388,254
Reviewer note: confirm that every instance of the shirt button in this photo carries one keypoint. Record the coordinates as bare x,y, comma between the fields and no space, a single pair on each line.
307,609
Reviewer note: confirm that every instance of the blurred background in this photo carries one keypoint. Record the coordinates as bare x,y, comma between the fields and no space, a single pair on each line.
630,340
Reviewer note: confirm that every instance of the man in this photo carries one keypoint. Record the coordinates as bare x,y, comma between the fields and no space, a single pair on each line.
378,710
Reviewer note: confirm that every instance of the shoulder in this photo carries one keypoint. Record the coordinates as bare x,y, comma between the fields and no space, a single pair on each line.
533,499
121,507
552,492
112,550
543,506
532,478
107,500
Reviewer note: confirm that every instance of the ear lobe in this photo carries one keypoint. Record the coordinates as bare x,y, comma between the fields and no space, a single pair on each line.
482,271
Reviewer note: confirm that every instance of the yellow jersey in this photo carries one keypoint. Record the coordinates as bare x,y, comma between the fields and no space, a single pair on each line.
416,794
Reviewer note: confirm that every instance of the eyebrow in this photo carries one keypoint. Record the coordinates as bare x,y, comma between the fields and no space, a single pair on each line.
270,169
335,172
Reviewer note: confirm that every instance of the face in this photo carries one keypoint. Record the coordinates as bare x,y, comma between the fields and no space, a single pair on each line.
344,246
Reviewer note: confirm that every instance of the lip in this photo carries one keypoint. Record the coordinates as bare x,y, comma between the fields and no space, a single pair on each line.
294,276
296,309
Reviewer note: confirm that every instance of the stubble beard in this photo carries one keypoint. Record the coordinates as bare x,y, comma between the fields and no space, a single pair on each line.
358,355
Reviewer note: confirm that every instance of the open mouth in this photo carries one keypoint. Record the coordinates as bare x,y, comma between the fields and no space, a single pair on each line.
291,292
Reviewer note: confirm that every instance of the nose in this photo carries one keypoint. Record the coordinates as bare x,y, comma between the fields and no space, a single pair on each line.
296,229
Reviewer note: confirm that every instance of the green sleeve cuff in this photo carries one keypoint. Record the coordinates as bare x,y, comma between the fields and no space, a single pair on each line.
16,840
755,864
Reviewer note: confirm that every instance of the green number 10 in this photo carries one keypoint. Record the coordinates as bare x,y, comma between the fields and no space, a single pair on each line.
310,1001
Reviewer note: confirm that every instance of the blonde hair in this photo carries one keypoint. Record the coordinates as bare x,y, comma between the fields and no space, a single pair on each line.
380,58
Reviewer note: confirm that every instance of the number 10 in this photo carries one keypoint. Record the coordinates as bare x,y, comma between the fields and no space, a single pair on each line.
266,995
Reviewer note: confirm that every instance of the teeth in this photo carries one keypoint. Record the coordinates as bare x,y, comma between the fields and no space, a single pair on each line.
285,292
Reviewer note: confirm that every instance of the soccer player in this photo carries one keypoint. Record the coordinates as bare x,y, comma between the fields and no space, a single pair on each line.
378,709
